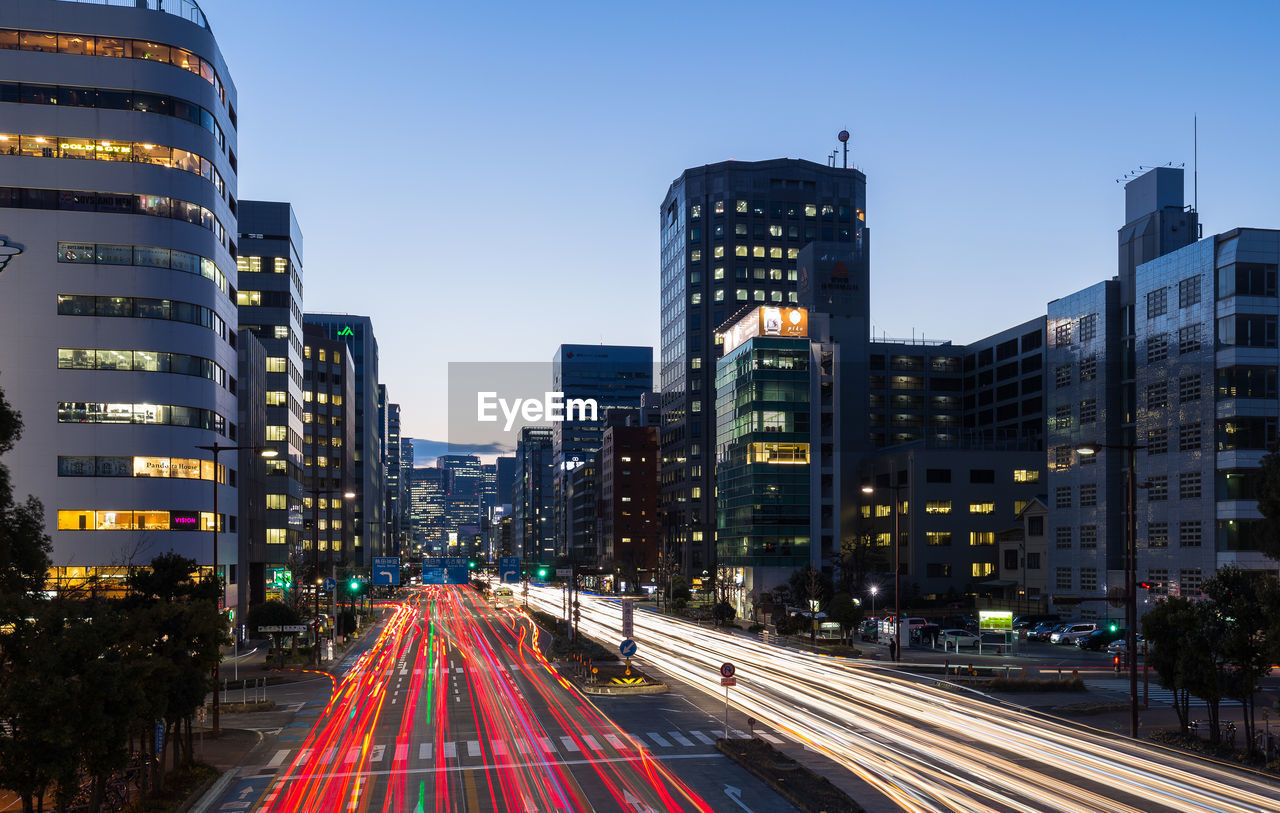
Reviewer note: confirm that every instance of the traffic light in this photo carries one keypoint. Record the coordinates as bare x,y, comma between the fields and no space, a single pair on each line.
542,573
1114,626
354,586
471,564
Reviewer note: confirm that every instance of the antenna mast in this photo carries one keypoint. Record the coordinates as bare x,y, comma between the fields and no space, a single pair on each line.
844,139
1195,163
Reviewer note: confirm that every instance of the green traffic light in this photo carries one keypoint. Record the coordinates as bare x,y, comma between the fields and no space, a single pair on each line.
542,573
471,565
355,585
1113,627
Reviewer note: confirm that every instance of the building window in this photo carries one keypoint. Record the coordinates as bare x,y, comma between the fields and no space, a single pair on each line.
1189,485
695,255
1157,303
1088,411
937,475
980,569
1062,497
938,570
1089,368
1062,537
1062,457
1088,495
1157,348
982,538
982,508
1157,534
1062,416
1157,488
1157,441
1190,582
938,539
1062,578
1189,438
1189,292
1062,334
1189,388
1088,327
1158,395
937,507
1088,536
1062,376
1033,561
1088,579
1188,339
741,294
1026,475
1189,533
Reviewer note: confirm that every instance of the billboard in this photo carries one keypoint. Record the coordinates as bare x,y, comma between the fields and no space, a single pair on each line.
445,570
767,320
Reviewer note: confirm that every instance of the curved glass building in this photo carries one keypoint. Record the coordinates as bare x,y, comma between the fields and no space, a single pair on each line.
117,299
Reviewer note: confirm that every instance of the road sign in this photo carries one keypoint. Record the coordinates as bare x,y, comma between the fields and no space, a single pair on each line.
329,584
159,736
386,571
627,648
564,573
509,569
729,681
269,629
727,670
628,617
445,570
294,628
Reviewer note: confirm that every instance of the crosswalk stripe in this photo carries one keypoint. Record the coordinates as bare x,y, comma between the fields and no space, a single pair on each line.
569,744
402,753
522,746
547,745
352,755
615,742
473,748
379,751
765,735
278,759
591,742
659,739
457,671
328,756
702,738
680,738
304,755
499,748
450,750
739,735
424,751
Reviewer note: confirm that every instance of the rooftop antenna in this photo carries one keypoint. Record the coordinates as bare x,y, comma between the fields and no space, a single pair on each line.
831,158
844,139
1195,163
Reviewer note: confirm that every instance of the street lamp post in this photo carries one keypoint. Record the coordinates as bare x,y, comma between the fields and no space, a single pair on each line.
874,589
315,549
1130,567
897,567
217,449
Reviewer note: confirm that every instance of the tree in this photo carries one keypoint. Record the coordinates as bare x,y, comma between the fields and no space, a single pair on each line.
723,613
271,614
1245,603
814,587
1268,490
1182,637
859,558
846,612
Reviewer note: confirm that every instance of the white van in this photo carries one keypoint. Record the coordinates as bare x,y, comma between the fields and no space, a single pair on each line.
1072,632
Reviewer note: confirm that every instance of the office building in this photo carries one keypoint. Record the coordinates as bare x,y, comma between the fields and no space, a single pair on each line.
628,526
730,235
118,159
328,451
370,475
427,508
532,525
397,509
251,475
270,307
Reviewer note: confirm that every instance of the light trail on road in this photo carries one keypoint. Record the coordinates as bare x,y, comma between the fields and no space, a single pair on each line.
927,747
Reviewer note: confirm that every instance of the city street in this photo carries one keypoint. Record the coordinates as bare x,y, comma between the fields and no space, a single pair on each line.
923,745
453,708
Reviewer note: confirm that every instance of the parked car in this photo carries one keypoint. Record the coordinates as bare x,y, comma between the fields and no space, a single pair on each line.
926,634
1098,640
1042,631
1072,632
959,638
1030,621
1118,647
867,631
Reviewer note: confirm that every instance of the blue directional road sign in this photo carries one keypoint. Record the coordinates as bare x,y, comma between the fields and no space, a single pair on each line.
445,570
329,584
386,571
509,569
627,648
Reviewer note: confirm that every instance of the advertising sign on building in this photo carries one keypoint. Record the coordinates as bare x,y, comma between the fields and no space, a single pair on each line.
767,320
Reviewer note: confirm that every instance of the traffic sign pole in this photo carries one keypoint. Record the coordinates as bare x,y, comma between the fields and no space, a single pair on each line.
727,671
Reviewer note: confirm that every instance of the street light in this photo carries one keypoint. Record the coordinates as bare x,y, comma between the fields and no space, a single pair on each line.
1130,567
315,549
217,449
897,567
874,589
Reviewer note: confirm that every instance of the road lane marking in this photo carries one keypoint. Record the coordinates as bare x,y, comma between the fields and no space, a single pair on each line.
641,758
328,756
473,748
522,746
304,755
424,751
702,738
278,759
680,738
659,739
569,744
739,735
591,742
450,750
547,745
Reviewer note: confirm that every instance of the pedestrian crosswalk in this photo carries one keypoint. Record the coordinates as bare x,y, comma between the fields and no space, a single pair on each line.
427,754
1157,695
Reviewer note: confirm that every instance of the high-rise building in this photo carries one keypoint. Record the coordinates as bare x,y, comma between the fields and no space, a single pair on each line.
251,480
610,376
532,528
119,165
730,234
370,475
397,511
628,526
427,508
270,307
328,447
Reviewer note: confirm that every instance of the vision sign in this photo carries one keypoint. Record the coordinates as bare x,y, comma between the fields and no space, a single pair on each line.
767,320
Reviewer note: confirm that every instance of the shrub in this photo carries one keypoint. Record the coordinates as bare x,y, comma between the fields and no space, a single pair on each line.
755,628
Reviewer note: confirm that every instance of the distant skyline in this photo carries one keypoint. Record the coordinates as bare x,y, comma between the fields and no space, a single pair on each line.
483,181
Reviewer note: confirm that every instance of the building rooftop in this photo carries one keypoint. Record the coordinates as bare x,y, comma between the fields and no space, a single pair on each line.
186,9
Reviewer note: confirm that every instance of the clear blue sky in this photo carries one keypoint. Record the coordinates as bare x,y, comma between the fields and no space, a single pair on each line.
482,179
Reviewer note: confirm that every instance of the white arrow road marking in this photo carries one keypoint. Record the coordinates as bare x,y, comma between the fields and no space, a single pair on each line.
736,795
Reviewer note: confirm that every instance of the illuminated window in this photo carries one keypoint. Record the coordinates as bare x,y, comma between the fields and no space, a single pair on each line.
718,273
280,265
1018,505
740,251
277,433
883,510
793,253
281,331
277,364
75,521
775,231
741,208
982,507
983,569
277,398
695,256
982,537
248,297
741,294
778,453
1026,475
865,511
276,502
937,507
276,536
810,210
718,251
938,538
